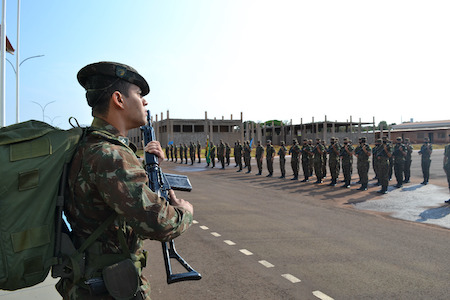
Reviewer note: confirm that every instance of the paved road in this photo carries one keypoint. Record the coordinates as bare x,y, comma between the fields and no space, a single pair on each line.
266,238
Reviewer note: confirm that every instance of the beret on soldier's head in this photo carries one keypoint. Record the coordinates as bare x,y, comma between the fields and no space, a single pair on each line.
105,69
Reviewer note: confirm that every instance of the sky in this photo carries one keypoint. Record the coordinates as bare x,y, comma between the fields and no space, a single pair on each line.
283,60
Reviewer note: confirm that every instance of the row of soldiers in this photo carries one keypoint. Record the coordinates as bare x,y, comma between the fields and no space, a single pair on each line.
388,159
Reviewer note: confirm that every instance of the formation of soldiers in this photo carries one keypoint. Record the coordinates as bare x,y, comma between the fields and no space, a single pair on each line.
388,159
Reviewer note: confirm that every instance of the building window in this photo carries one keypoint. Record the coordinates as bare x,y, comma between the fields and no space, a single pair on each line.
420,135
441,135
215,128
199,128
187,128
176,128
224,129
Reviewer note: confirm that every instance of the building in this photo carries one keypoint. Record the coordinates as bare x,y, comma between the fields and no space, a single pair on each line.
184,131
437,131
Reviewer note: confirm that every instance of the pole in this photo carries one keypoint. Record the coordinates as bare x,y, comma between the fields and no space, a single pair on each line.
17,61
2,66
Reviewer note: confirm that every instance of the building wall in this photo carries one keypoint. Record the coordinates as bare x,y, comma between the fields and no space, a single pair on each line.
437,136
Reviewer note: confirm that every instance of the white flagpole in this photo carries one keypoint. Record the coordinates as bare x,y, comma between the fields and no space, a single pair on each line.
2,66
17,62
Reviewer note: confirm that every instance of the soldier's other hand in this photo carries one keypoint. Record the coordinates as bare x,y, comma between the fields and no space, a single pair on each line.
174,201
154,147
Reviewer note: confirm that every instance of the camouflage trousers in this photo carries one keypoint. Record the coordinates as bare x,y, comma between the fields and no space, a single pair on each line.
347,171
269,165
282,166
426,169
318,168
306,168
334,169
407,169
363,172
399,167
383,172
259,164
222,160
295,165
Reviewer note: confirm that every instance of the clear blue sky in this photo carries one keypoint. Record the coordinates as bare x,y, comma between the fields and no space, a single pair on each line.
268,59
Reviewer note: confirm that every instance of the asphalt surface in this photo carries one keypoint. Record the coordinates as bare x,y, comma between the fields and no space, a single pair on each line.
268,238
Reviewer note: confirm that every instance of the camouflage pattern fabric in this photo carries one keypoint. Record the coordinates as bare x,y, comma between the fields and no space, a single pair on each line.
408,161
383,154
295,158
363,163
347,162
399,155
318,161
259,157
107,177
425,151
306,158
270,154
282,153
333,161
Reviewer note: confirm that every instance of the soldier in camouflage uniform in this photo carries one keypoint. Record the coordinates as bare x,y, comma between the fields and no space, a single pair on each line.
171,152
107,179
282,153
408,160
425,151
375,161
185,149
318,151
192,152
238,155
383,154
221,153
399,155
167,152
347,162
334,151
259,157
311,157
306,157
227,153
181,148
362,153
175,152
212,154
270,155
248,156
447,166
295,151
199,152
324,156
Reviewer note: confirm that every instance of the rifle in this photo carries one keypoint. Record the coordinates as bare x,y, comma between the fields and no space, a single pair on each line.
161,183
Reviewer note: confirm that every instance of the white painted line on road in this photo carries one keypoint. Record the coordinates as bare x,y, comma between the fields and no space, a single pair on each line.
266,264
291,278
204,227
322,296
215,234
246,252
194,222
228,242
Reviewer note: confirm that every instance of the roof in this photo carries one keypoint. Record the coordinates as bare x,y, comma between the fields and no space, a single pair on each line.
443,124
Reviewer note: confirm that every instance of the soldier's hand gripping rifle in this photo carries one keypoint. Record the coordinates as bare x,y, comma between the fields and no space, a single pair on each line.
160,183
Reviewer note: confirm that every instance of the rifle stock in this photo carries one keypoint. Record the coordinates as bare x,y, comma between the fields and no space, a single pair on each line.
160,183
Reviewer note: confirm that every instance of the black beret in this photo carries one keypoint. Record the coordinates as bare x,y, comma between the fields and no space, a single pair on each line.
112,69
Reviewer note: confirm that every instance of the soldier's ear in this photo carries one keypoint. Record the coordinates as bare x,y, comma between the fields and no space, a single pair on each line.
117,100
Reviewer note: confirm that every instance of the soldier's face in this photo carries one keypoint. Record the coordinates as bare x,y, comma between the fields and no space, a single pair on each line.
134,107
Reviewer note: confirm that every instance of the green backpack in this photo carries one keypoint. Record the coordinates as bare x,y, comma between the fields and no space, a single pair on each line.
33,156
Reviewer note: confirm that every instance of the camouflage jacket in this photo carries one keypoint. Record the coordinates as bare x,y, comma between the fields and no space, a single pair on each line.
107,177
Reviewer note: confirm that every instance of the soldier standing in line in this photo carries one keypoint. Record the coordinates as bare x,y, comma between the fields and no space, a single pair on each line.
167,151
171,152
185,148
207,154
181,153
238,155
235,154
391,163
213,154
347,162
362,153
311,158
383,155
221,153
244,154
408,160
175,152
282,153
399,155
259,157
306,157
426,151
324,157
199,151
447,166
295,151
334,151
270,154
318,151
248,156
376,162
227,153
192,152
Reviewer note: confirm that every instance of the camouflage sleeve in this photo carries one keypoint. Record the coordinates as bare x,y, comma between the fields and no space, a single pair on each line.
122,183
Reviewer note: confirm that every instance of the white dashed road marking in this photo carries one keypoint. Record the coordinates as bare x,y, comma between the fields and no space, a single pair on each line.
266,264
204,227
228,242
246,252
194,222
215,234
291,278
322,296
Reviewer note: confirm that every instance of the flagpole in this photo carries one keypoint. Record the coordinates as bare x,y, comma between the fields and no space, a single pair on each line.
17,62
2,66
